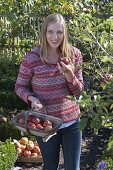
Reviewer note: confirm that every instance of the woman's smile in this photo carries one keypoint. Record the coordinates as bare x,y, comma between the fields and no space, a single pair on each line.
54,34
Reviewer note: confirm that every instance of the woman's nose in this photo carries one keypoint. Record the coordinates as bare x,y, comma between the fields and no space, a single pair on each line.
55,35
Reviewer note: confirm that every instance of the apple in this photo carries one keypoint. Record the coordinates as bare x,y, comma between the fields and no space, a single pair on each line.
46,123
105,78
48,127
36,120
23,147
30,145
24,141
36,149
17,143
31,125
34,154
21,120
35,143
30,118
4,119
65,60
19,151
27,153
39,126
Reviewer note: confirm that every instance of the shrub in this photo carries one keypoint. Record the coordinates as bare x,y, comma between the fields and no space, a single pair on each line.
8,155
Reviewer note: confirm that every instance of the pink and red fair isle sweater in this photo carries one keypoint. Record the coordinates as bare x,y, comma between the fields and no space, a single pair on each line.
49,85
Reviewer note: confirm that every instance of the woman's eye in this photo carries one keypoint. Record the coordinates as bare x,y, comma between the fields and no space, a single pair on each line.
59,32
50,32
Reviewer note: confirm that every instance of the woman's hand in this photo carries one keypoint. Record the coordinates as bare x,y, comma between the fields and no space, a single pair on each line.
67,69
35,103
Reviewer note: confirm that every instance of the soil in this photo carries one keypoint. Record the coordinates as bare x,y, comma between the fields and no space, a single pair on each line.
92,147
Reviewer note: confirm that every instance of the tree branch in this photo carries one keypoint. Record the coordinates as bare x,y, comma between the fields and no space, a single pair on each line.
100,45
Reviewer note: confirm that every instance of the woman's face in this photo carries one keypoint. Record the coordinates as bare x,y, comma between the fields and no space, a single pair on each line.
54,34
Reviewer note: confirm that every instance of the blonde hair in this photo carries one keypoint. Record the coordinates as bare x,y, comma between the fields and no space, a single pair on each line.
64,48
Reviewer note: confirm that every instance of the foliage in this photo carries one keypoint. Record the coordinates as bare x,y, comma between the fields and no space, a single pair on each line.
8,155
90,28
8,130
97,107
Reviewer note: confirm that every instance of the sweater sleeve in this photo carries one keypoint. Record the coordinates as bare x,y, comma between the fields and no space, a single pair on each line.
77,85
22,85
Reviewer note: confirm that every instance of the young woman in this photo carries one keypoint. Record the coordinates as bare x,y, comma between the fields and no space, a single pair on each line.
53,69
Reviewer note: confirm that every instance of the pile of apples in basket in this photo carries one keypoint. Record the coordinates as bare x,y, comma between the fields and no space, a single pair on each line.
37,123
27,148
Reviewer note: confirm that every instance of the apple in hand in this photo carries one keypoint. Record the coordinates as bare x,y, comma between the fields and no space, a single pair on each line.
65,60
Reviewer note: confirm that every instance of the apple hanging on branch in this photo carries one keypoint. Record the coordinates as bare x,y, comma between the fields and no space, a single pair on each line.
105,78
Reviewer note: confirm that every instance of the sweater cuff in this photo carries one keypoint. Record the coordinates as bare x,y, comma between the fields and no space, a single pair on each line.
74,81
26,97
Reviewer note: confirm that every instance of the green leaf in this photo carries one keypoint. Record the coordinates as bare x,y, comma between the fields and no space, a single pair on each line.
83,123
106,59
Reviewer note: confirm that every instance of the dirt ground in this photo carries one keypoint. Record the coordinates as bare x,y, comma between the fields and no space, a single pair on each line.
92,147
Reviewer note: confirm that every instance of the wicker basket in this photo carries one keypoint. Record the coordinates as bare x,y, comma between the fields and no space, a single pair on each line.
37,159
56,123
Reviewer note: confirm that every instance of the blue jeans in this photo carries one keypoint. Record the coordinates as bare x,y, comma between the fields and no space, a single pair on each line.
70,139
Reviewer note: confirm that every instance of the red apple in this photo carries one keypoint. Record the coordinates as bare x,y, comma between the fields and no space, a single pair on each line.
30,145
65,60
36,120
31,125
19,151
23,147
48,127
30,118
34,154
105,78
35,143
17,143
39,126
46,123
27,153
36,149
21,120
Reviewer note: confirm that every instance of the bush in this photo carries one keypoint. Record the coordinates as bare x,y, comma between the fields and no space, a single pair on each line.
8,155
8,130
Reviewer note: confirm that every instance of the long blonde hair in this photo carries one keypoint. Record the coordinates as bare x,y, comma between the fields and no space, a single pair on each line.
64,48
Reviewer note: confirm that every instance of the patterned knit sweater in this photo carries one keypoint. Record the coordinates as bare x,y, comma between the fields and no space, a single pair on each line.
49,85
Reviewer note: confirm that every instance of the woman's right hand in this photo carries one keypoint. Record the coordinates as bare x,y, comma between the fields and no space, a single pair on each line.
35,103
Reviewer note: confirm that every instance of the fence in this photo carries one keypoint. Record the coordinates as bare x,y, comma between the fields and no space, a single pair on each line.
21,37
